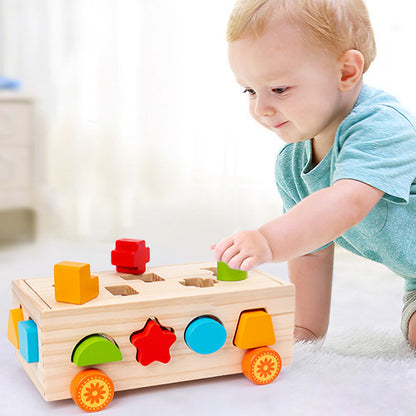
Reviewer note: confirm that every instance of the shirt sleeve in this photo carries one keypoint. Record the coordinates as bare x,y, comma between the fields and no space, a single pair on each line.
378,148
288,202
285,182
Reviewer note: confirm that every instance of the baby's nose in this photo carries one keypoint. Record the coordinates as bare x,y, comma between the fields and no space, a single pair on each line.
264,108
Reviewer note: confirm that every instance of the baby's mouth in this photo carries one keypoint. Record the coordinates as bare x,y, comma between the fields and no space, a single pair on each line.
280,125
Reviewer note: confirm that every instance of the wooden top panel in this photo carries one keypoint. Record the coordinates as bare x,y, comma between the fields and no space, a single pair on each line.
157,283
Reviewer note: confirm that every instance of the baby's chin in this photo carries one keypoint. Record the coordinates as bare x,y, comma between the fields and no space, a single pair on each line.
290,139
284,135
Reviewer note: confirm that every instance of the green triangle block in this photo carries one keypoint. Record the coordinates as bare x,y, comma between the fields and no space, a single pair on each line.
225,273
95,349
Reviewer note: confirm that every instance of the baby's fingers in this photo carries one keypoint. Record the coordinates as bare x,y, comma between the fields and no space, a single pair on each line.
243,262
221,247
249,263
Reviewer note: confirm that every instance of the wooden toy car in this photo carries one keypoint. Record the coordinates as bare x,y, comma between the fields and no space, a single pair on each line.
166,325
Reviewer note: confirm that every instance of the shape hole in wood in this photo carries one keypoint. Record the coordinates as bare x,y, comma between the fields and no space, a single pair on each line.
145,277
198,282
122,290
213,270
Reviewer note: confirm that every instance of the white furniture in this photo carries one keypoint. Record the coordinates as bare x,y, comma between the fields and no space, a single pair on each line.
16,166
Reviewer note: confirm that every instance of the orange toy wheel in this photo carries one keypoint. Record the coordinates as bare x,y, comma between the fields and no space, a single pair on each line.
92,390
261,365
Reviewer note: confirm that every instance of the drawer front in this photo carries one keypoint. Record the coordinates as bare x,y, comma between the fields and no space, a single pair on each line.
15,167
15,122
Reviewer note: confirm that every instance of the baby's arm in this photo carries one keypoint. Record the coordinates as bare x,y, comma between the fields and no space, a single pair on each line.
312,276
312,223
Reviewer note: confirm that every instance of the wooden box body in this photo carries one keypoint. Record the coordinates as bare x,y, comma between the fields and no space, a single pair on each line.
161,293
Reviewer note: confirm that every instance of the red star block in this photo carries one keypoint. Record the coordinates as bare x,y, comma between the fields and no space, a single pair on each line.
153,343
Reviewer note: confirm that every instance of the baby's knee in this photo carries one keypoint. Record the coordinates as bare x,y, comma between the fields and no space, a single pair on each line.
412,331
305,334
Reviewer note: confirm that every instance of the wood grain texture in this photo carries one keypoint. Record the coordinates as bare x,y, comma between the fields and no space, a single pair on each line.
159,293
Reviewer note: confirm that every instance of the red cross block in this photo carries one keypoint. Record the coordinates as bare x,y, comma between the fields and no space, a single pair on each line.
130,256
153,343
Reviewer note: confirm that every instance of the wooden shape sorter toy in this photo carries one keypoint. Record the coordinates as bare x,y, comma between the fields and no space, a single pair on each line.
166,325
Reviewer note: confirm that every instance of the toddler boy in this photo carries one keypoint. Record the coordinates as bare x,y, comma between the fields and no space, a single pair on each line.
347,173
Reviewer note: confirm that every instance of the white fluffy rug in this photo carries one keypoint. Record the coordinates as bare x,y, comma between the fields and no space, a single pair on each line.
364,367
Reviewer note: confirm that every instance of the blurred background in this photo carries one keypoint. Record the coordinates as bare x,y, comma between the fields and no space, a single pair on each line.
128,122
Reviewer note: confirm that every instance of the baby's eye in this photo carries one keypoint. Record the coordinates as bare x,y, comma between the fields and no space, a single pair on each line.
280,90
249,91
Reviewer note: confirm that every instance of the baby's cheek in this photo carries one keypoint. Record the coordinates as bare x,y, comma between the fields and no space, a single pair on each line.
252,113
260,121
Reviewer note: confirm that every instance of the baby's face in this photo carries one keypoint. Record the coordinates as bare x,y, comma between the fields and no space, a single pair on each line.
292,85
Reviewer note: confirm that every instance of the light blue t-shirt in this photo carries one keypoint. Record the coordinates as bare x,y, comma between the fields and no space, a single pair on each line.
375,144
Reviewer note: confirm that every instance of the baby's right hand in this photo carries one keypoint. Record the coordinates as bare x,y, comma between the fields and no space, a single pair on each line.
243,250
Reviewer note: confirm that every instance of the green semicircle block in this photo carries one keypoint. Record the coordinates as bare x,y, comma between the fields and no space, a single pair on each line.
95,349
225,273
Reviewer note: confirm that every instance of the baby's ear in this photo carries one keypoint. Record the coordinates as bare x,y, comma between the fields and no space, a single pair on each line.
350,65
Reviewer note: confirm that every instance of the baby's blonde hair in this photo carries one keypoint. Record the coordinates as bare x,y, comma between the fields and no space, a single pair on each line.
335,25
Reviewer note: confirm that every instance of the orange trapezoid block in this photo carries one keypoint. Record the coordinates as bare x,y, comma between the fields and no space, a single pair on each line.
255,329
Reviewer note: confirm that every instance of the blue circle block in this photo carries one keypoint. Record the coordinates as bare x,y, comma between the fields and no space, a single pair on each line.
205,335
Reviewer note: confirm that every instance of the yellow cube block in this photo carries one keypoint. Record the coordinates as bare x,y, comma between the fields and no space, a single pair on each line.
254,329
74,283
